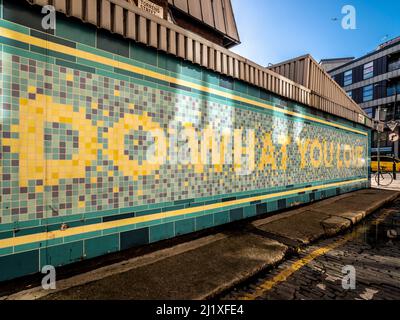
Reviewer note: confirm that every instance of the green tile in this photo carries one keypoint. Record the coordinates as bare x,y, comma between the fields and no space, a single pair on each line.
94,65
22,13
82,236
78,32
77,66
14,26
240,86
27,247
272,206
6,235
204,222
211,77
147,212
222,218
190,70
112,43
62,254
134,238
28,231
6,251
185,226
102,245
28,54
169,63
127,228
254,91
162,232
250,211
14,43
149,223
20,264
143,54
89,49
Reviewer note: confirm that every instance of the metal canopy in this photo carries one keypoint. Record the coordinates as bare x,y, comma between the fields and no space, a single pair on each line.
127,20
217,14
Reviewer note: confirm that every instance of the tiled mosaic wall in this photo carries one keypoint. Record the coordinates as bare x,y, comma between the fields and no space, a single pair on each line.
75,145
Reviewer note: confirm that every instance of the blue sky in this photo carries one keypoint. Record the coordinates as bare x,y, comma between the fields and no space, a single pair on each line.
276,30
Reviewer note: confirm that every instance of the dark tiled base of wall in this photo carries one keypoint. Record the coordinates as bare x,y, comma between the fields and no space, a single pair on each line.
21,264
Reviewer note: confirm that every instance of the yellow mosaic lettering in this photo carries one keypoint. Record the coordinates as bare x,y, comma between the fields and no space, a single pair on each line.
316,146
116,145
338,159
328,162
303,146
268,153
284,141
30,145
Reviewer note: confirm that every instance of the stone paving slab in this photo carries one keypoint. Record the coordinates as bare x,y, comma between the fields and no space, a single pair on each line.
303,227
219,262
193,275
327,218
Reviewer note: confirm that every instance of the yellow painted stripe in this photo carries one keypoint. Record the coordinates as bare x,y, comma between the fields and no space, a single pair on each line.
293,268
121,65
16,241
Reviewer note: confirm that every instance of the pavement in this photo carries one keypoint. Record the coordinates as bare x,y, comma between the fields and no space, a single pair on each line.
371,250
207,267
395,185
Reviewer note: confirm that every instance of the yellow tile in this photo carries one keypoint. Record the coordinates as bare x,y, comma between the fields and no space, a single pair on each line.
39,169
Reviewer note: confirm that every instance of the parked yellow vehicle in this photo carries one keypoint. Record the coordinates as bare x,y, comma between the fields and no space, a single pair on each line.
386,163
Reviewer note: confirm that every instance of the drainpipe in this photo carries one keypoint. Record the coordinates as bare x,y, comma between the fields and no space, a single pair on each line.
379,147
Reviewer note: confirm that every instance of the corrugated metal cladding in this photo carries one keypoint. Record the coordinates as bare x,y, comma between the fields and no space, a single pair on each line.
121,17
326,94
217,14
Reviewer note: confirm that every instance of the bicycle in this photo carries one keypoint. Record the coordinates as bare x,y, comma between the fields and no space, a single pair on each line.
385,178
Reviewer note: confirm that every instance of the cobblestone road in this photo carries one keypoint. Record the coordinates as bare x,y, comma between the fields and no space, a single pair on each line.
372,248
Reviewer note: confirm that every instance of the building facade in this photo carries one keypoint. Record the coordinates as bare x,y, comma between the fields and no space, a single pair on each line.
119,129
374,81
330,64
212,19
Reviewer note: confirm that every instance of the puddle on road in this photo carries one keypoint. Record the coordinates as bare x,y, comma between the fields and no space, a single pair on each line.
380,231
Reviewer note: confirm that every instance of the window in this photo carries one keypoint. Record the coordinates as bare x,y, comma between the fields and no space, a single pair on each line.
368,93
368,70
348,78
394,64
350,93
391,90
368,111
